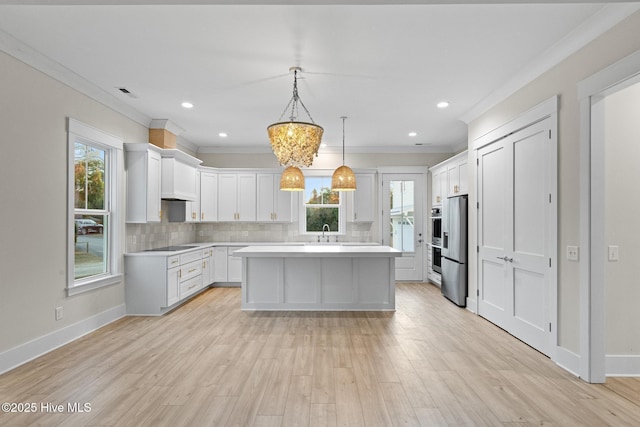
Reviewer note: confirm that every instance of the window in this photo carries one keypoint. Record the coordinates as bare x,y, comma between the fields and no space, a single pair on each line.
93,156
323,208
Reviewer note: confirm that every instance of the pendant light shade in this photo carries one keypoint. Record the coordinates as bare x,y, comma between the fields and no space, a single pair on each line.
292,179
295,143
343,178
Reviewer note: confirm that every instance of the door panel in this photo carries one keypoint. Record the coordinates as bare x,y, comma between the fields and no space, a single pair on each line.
402,222
529,194
513,221
492,293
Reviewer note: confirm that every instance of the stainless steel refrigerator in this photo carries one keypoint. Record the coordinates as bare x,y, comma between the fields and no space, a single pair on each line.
454,250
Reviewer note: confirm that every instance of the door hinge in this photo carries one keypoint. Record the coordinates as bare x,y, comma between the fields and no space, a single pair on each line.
477,292
478,162
549,262
549,197
477,248
549,326
549,133
477,205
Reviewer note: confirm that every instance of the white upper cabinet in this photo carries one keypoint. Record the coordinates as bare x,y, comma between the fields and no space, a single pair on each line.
364,198
438,185
449,178
208,196
179,175
192,207
273,205
143,164
457,176
237,197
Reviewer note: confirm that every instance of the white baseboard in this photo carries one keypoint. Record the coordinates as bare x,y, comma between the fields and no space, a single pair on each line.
471,305
23,353
568,360
622,366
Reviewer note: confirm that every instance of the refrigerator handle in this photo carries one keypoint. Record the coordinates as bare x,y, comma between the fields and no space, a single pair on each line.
445,239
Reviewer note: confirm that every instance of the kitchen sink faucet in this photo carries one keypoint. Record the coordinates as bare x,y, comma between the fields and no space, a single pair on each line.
323,230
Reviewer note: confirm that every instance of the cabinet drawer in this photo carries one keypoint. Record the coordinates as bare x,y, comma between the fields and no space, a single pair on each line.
190,286
173,261
190,270
190,256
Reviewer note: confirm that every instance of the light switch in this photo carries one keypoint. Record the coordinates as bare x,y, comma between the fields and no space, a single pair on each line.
614,253
573,253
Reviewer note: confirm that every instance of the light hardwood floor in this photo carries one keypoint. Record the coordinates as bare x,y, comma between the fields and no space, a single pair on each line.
207,363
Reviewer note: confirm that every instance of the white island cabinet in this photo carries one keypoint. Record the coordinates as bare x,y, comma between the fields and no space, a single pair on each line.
318,277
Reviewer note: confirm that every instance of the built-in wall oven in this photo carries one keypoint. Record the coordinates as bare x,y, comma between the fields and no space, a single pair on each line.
436,227
436,240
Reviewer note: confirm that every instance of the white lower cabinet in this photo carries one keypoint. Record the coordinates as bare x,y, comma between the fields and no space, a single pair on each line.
207,267
228,268
157,283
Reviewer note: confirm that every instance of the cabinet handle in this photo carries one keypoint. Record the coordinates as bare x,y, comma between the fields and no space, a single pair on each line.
160,214
202,215
192,270
438,199
180,274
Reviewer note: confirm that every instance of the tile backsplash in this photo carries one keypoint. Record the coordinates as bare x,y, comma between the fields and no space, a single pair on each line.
141,237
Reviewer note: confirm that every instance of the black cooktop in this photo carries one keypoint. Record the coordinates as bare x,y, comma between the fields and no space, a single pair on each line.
171,248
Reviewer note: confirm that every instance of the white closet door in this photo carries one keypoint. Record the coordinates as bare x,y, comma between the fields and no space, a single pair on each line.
514,270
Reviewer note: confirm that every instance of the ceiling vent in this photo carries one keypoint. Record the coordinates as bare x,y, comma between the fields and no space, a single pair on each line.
127,92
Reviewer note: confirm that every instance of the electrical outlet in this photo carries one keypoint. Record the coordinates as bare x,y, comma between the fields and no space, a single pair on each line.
59,313
573,253
201,233
614,254
133,239
245,233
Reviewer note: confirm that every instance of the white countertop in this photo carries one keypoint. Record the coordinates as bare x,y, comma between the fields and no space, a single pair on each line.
315,250
203,245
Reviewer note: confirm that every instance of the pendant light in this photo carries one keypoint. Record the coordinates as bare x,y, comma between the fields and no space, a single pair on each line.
295,143
343,178
292,179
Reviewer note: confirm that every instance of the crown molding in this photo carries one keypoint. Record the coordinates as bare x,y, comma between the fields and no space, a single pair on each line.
24,53
264,149
589,30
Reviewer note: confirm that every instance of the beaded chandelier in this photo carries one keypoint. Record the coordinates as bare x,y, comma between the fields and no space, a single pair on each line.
293,142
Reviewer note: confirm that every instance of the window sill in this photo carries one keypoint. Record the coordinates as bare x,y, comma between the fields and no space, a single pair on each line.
94,284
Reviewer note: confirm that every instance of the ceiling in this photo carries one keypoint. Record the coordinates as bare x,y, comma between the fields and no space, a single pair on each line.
383,66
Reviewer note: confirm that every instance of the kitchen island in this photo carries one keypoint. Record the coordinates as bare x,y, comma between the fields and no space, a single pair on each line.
318,277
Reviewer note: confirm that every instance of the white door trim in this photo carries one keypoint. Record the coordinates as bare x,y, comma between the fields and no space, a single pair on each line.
542,111
592,219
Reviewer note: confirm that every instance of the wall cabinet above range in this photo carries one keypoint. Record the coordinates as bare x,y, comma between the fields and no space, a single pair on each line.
179,175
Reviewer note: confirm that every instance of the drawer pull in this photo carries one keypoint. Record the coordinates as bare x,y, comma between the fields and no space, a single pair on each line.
192,270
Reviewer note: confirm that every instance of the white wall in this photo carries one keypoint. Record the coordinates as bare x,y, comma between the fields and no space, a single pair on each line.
561,80
33,213
622,227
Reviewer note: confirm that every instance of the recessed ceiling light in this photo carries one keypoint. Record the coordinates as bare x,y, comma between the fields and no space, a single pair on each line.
412,134
443,104
187,104
222,135
323,145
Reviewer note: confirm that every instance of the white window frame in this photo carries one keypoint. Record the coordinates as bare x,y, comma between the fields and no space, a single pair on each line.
342,211
88,135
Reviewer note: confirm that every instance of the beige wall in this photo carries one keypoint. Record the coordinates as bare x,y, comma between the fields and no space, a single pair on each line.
622,228
562,80
33,235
